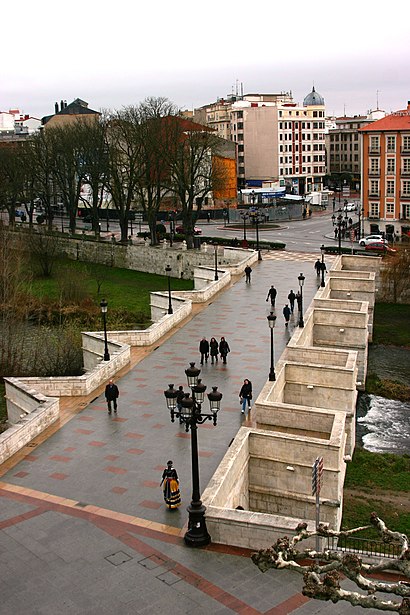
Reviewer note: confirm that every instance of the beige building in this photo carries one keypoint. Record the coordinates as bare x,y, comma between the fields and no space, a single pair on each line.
277,139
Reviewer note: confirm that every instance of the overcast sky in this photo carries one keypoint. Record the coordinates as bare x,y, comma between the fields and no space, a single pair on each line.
114,54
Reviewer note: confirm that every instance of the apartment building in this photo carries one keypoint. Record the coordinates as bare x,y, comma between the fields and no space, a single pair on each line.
343,145
278,141
385,184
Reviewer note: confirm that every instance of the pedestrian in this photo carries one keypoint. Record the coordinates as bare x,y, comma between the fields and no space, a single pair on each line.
318,267
204,350
224,349
111,395
286,314
172,495
292,298
335,232
248,272
299,300
180,397
208,216
214,350
245,395
272,295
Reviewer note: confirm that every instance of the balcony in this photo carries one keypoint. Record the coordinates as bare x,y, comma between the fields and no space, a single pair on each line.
405,172
405,195
374,194
373,150
374,173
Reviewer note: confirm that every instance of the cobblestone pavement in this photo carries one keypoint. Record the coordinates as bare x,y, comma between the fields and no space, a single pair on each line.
83,525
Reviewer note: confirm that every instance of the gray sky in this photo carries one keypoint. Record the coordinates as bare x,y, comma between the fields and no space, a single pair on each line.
115,54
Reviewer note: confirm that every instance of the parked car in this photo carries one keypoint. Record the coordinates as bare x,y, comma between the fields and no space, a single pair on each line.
181,231
349,207
372,239
378,246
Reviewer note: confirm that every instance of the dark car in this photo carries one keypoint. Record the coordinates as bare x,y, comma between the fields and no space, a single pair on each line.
181,231
376,246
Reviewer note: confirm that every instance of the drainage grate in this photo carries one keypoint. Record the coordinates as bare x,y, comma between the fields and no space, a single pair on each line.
116,559
82,504
169,578
151,562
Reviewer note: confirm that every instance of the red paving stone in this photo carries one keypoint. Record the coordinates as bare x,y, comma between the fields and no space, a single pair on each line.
21,474
86,418
150,504
205,454
158,426
115,470
150,483
31,458
61,458
118,419
119,490
59,476
84,431
135,451
183,435
70,449
111,457
96,443
133,435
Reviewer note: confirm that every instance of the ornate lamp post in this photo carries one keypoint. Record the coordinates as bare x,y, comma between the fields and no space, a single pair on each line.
104,307
216,261
191,413
244,217
272,322
339,231
168,270
323,265
359,211
301,279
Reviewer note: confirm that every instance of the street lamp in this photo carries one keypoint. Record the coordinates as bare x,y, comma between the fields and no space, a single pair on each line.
257,219
301,279
104,306
339,231
216,261
192,415
322,265
359,211
168,270
244,217
272,322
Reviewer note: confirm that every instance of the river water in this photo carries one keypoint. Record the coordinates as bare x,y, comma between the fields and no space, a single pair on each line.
383,425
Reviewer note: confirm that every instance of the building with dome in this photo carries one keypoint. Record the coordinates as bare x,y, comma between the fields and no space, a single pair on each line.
279,142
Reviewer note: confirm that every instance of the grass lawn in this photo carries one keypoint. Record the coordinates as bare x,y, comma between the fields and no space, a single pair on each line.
391,324
124,290
380,483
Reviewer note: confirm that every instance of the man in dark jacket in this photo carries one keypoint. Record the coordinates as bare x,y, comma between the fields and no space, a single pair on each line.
272,295
292,299
111,395
248,271
286,314
204,350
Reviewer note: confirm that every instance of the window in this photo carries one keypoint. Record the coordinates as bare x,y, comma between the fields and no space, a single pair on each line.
391,144
374,165
391,165
374,210
374,144
241,159
406,165
390,208
240,148
240,125
406,210
374,187
406,143
406,188
390,187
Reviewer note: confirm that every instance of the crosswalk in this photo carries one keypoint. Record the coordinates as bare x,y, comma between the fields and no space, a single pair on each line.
282,255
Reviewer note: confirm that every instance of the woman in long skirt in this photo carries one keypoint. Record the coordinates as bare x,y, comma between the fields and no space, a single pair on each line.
170,481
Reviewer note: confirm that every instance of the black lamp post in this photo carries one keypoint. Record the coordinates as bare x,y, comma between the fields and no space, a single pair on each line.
272,322
339,231
301,279
168,270
323,265
192,415
359,211
244,217
216,261
104,306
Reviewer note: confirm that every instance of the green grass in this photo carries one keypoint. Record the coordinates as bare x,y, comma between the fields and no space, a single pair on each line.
123,289
391,324
357,511
382,470
390,389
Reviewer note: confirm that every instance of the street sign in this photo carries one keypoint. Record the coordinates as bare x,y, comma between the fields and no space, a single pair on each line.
317,473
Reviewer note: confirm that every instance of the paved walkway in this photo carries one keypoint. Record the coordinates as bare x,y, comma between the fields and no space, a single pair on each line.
84,526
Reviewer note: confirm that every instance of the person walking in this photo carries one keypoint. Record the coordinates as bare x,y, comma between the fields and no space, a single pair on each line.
299,300
172,495
245,395
318,267
248,272
292,298
204,350
286,314
214,350
112,393
224,349
272,295
180,397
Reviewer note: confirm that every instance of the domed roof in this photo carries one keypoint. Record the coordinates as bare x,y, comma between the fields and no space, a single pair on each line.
313,99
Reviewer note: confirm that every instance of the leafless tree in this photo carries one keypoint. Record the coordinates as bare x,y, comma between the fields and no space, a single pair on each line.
395,275
322,577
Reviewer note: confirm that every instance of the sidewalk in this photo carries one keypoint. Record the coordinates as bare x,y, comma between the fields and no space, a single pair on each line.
84,526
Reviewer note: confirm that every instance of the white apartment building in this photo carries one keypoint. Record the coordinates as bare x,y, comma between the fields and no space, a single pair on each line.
277,139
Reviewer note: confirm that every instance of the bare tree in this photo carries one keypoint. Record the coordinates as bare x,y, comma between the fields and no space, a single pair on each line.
42,161
11,180
193,174
43,248
395,275
323,576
